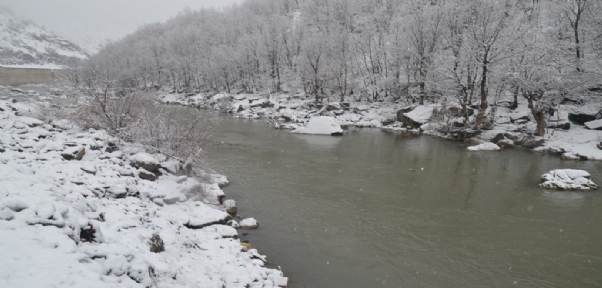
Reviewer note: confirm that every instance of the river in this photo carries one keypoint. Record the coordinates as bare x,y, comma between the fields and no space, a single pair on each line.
379,209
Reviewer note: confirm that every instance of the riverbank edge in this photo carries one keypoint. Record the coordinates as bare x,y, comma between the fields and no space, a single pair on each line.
78,188
374,115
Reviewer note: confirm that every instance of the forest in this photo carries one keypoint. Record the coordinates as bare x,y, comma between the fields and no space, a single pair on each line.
468,52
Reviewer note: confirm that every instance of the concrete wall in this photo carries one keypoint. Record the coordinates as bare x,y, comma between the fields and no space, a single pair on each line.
18,76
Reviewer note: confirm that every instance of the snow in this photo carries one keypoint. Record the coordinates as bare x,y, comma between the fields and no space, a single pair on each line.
484,147
320,125
567,179
19,37
249,223
48,204
144,158
421,114
293,112
594,125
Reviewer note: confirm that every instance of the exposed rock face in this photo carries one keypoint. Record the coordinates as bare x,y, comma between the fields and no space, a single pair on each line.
567,179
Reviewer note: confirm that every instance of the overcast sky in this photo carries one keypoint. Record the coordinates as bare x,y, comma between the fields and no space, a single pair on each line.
91,21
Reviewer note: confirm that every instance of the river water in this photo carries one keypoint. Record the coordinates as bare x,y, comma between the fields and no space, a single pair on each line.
379,209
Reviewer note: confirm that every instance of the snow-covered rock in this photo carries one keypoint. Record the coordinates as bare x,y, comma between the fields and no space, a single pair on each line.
594,125
249,223
567,179
418,116
488,146
145,161
320,125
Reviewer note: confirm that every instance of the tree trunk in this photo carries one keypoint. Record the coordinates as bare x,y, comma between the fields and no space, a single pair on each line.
538,115
515,103
483,106
422,93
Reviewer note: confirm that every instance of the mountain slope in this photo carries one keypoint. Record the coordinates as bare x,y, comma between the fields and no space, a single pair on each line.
24,42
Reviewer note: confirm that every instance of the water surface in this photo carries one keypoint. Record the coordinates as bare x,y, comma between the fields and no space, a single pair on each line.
378,209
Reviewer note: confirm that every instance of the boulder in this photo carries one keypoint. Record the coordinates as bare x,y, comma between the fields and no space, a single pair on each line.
145,161
486,125
580,118
418,116
118,191
387,121
321,125
74,153
90,169
174,198
497,138
569,156
567,179
594,125
230,206
505,143
146,175
361,108
599,145
333,106
249,223
484,147
529,141
404,110
564,125
521,117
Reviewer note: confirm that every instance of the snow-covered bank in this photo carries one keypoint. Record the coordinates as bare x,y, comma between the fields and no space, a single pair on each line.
510,128
81,209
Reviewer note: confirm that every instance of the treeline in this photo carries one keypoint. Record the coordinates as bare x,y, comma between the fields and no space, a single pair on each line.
371,50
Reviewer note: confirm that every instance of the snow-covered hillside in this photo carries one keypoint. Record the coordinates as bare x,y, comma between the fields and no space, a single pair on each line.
24,42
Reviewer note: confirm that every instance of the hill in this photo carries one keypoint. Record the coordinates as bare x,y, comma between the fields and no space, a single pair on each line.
24,42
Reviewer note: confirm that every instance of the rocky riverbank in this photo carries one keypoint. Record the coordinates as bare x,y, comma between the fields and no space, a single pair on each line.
83,209
571,132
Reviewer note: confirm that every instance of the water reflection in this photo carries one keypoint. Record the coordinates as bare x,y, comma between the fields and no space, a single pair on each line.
320,140
564,198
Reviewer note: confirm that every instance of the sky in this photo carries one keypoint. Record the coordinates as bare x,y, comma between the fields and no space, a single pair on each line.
90,22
